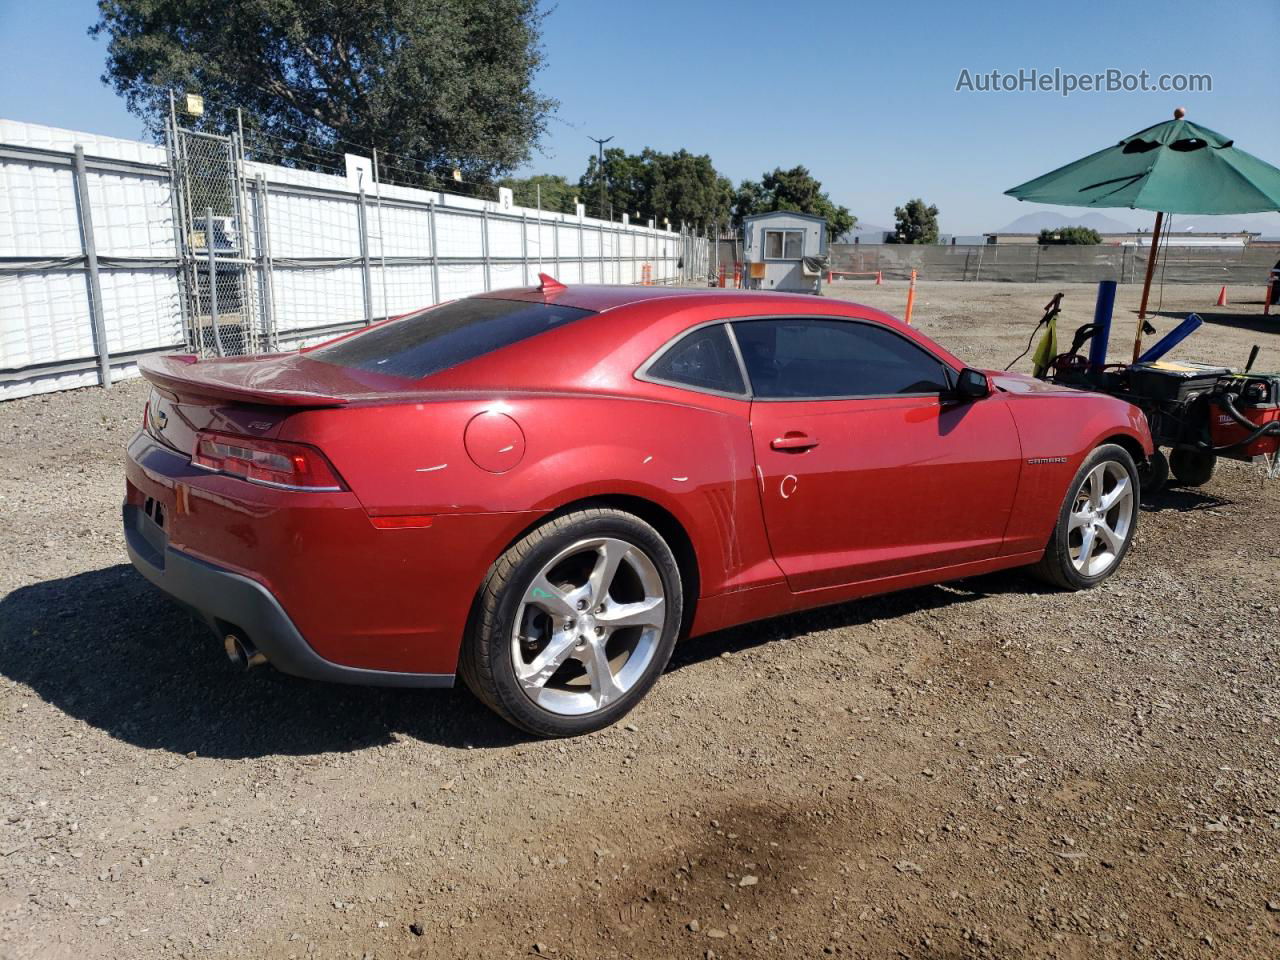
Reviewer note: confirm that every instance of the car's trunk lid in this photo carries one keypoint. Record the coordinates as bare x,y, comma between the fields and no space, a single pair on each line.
249,396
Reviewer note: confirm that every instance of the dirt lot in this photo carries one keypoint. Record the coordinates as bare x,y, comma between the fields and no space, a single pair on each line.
986,769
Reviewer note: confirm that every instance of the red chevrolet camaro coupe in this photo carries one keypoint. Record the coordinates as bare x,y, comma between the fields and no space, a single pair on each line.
543,489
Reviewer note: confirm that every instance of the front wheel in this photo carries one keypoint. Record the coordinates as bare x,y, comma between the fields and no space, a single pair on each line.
1096,522
575,623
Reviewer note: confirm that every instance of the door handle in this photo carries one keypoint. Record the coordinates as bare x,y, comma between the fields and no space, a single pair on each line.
794,442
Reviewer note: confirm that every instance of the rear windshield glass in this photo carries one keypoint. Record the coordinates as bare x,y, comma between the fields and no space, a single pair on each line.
451,334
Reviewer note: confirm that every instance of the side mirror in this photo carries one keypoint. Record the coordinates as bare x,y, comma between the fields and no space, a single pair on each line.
972,384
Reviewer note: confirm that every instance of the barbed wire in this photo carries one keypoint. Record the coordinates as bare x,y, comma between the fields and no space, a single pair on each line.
266,144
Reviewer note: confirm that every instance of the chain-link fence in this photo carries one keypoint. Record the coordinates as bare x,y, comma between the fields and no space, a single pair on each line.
222,306
1032,263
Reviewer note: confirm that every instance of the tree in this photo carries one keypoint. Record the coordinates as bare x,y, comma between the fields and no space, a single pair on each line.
1080,236
794,189
916,223
681,186
556,192
435,86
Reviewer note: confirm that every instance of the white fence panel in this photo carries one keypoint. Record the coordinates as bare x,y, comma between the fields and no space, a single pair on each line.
44,318
132,216
37,211
141,309
316,297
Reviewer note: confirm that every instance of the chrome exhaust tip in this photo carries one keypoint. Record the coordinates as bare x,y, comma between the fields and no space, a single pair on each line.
242,653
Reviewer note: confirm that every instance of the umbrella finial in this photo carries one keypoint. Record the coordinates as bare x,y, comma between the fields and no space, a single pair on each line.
1179,112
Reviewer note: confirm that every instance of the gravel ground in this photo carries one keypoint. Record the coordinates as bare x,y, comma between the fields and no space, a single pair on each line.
984,769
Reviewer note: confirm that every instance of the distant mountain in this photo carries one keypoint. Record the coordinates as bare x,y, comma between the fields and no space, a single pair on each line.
1267,224
1049,220
866,231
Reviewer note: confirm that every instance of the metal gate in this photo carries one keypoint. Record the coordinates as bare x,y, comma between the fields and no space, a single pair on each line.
225,303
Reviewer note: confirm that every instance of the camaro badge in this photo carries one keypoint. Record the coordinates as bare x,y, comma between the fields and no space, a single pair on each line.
1047,460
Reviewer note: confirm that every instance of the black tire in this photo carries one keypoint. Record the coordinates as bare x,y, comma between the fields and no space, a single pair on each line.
486,663
1057,566
1192,468
1154,474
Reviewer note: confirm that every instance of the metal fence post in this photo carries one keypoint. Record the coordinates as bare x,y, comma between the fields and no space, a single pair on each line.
382,237
555,245
524,249
484,247
435,252
582,252
179,220
84,212
265,267
213,280
250,341
366,277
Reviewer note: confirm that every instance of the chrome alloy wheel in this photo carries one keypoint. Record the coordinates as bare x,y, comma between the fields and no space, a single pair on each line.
588,626
1101,519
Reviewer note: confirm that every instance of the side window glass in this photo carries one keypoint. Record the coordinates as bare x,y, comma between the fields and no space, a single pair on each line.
811,357
703,359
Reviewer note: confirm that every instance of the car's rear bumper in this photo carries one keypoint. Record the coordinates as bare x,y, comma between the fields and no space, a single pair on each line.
231,603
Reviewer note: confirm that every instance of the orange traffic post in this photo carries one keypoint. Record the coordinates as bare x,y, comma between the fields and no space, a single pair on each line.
723,270
1222,296
1266,301
879,278
911,298
737,276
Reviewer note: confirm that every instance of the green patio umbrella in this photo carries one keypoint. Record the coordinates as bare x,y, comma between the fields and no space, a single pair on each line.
1174,167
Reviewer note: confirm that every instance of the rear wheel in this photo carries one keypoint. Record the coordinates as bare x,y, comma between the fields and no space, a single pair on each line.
1096,522
1192,468
575,623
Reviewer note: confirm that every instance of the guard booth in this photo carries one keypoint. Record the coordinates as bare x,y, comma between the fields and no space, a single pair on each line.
785,251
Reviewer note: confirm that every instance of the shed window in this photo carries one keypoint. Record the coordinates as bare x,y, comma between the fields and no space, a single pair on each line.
783,244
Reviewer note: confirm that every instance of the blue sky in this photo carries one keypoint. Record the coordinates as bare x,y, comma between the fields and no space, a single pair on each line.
862,94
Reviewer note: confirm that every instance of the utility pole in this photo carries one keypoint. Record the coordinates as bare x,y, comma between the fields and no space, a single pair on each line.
600,171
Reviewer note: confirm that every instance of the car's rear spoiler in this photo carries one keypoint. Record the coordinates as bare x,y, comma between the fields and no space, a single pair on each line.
182,374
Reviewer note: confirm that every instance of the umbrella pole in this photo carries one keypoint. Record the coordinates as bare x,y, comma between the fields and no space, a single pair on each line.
1146,284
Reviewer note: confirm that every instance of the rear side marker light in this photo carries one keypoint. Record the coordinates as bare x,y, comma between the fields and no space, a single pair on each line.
271,463
401,523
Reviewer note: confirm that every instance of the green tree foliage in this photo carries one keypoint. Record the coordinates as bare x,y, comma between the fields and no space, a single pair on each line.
794,189
682,187
448,83
916,223
557,193
1078,236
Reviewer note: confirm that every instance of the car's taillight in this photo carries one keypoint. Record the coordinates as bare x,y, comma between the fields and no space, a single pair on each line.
291,466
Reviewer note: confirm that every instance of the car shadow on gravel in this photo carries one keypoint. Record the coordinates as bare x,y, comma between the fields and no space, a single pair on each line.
1258,323
855,613
1181,499
108,648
